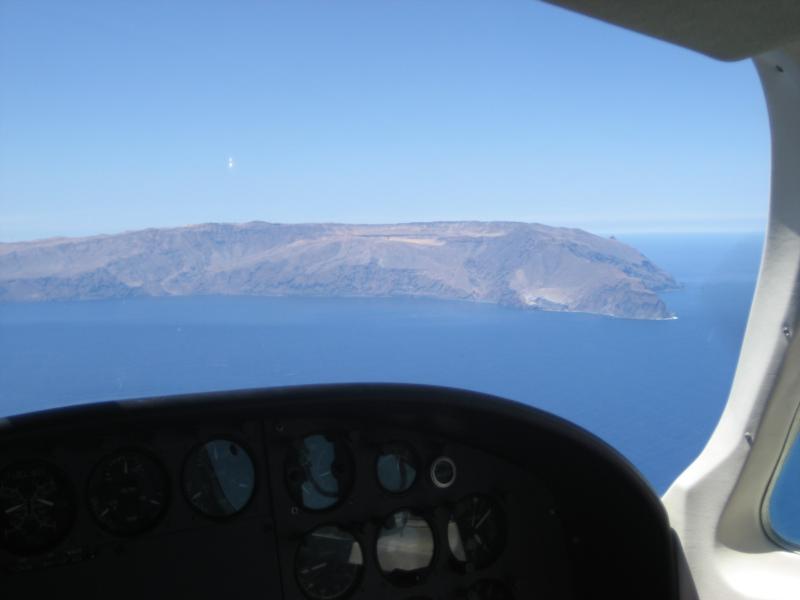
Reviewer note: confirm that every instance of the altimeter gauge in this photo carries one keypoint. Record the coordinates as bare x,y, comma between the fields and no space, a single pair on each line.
37,507
128,492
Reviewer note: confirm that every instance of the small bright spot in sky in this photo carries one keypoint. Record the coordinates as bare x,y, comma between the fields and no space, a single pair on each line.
230,162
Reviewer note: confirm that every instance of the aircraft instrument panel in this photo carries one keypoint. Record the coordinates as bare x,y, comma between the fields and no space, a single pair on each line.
327,493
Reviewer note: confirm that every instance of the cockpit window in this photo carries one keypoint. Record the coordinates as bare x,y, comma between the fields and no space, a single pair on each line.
780,507
495,196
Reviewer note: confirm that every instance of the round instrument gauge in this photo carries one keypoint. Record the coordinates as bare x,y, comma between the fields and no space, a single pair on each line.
476,531
443,472
329,563
488,589
37,507
319,471
219,478
405,547
128,492
396,468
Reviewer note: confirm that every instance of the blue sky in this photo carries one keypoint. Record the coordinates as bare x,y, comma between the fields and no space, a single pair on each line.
123,115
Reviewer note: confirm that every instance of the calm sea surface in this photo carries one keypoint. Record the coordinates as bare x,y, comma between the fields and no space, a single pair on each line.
652,389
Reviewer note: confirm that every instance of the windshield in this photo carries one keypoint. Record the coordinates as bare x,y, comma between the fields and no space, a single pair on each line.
496,196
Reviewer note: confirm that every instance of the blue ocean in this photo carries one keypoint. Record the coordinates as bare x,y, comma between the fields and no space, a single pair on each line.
652,389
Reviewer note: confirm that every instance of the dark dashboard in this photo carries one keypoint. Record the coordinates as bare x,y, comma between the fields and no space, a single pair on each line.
324,493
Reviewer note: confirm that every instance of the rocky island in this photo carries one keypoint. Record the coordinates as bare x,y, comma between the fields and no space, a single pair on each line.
516,264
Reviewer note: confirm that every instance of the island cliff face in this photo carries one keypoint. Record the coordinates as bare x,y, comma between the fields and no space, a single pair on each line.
516,264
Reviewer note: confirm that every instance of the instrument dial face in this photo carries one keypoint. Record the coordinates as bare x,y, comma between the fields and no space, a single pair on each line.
128,492
443,472
405,547
37,507
329,563
319,471
476,531
219,478
397,468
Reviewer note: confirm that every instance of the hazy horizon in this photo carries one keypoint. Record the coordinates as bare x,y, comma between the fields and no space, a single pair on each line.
698,228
